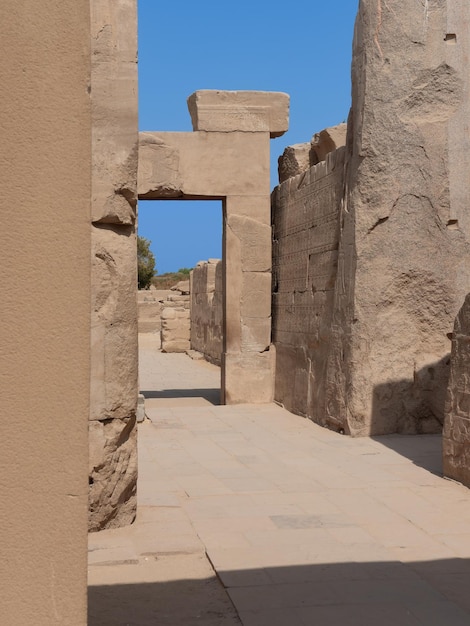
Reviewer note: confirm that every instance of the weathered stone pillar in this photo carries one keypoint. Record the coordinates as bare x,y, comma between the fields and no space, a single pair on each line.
404,256
227,158
113,444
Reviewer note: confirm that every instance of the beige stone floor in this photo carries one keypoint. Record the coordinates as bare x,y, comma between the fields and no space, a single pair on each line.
302,526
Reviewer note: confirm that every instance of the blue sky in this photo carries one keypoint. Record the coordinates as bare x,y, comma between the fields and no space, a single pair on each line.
303,49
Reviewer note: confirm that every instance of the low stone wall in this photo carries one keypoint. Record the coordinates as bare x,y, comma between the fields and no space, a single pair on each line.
206,309
150,303
306,211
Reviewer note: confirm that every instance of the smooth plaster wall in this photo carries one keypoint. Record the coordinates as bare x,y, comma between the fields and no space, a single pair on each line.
45,164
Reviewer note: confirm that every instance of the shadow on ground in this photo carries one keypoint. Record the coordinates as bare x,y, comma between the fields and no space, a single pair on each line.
211,395
424,451
432,593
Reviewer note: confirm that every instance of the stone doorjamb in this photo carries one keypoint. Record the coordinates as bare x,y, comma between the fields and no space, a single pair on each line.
227,158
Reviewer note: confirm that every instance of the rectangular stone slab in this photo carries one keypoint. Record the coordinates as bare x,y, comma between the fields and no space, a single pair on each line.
249,111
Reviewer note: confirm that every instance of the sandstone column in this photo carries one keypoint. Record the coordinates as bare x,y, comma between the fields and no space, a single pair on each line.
113,444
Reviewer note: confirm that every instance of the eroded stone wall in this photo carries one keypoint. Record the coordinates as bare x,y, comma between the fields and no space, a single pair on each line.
404,255
207,310
306,212
403,241
113,441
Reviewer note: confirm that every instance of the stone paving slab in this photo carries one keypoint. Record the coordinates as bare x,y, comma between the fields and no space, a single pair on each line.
301,525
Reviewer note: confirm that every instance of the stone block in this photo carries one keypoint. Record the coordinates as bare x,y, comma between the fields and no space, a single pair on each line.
255,242
256,296
294,160
114,324
256,334
114,111
326,141
175,327
176,345
248,111
248,377
170,165
112,473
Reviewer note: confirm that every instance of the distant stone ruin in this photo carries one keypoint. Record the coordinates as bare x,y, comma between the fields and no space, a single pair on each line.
175,319
207,310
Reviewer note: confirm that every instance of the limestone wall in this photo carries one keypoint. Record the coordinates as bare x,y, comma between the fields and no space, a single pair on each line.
207,310
306,229
45,167
113,449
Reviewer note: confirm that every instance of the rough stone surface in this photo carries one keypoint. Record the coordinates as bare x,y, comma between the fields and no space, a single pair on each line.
113,473
207,309
114,274
294,160
248,111
456,435
257,388
327,141
175,320
150,305
403,262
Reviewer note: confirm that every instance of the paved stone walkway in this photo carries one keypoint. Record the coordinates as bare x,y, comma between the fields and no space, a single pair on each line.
303,526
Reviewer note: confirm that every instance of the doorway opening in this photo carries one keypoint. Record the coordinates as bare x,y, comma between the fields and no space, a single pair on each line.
175,369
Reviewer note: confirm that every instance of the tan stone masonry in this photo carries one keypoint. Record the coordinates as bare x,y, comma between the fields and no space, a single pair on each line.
227,158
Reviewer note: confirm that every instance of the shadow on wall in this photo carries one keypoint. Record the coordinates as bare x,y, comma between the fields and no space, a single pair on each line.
386,593
412,407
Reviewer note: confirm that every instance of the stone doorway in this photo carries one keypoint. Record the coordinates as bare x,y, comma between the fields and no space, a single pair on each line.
227,159
181,314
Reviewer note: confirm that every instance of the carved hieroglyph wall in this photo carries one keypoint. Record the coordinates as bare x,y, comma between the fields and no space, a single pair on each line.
306,212
404,227
113,443
207,310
